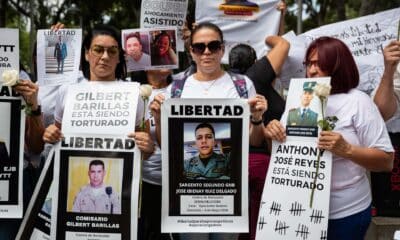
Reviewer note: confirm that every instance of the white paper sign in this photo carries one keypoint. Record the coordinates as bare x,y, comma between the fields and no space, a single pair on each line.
287,210
101,107
241,21
155,13
58,56
203,196
9,50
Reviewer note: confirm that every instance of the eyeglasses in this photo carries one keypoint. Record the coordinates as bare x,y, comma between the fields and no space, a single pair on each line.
310,63
98,50
213,47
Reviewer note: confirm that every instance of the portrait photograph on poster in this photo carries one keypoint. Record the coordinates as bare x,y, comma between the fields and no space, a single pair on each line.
206,172
58,55
12,129
95,193
152,48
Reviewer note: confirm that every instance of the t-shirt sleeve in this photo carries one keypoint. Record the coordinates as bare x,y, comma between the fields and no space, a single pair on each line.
370,127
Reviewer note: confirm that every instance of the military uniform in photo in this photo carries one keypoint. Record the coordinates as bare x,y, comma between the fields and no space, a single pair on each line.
217,167
304,116
97,200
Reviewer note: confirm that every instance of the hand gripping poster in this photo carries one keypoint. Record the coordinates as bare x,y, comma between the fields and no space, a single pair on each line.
97,188
167,13
37,219
147,49
241,21
12,127
58,56
204,166
295,200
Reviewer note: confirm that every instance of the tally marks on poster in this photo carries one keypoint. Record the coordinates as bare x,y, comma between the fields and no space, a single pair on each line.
286,211
204,165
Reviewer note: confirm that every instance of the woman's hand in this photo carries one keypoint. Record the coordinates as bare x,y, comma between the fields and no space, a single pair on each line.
52,134
275,131
258,105
155,107
29,91
143,141
335,143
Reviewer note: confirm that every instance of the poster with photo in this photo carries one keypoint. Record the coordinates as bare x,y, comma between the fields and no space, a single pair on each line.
295,200
37,219
12,132
155,13
101,108
96,189
204,173
9,50
58,56
147,49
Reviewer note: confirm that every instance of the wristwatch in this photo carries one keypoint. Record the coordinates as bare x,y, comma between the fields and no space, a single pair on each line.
36,112
256,122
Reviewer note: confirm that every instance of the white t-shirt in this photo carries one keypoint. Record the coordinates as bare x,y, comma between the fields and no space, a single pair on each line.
222,87
152,166
61,97
393,124
133,65
360,124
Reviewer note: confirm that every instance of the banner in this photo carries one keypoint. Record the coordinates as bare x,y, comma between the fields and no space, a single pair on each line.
156,13
205,165
97,189
365,36
36,223
58,56
101,108
247,22
297,171
147,49
12,131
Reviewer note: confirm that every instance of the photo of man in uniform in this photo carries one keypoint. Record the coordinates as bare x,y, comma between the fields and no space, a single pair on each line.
136,58
60,53
303,115
96,197
207,164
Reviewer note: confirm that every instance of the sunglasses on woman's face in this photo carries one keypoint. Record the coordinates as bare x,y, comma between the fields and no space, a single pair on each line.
98,50
213,47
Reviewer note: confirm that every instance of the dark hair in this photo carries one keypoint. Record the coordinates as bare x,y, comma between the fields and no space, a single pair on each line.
96,162
141,77
335,58
160,35
205,125
133,35
120,71
208,25
241,57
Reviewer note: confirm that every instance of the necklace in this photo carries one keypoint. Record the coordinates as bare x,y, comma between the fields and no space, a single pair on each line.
207,88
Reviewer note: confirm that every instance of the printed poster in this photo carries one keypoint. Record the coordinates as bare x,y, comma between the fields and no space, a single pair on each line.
366,37
155,13
101,108
287,210
97,188
58,56
37,219
147,49
241,21
12,131
205,170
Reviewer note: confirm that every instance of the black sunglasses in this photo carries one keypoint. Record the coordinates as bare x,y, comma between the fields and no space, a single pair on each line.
213,47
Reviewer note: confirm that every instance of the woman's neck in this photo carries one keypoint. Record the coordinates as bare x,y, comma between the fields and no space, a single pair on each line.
204,76
157,81
107,78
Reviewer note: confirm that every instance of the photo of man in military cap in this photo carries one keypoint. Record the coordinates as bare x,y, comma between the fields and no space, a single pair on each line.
207,164
96,197
303,115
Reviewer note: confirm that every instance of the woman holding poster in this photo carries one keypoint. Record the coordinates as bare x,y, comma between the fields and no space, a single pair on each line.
358,143
211,81
102,59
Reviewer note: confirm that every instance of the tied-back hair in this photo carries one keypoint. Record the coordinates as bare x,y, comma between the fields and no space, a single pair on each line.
120,71
335,58
241,57
206,25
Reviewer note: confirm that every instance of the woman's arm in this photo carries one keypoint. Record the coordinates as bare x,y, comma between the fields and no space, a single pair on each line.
258,105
